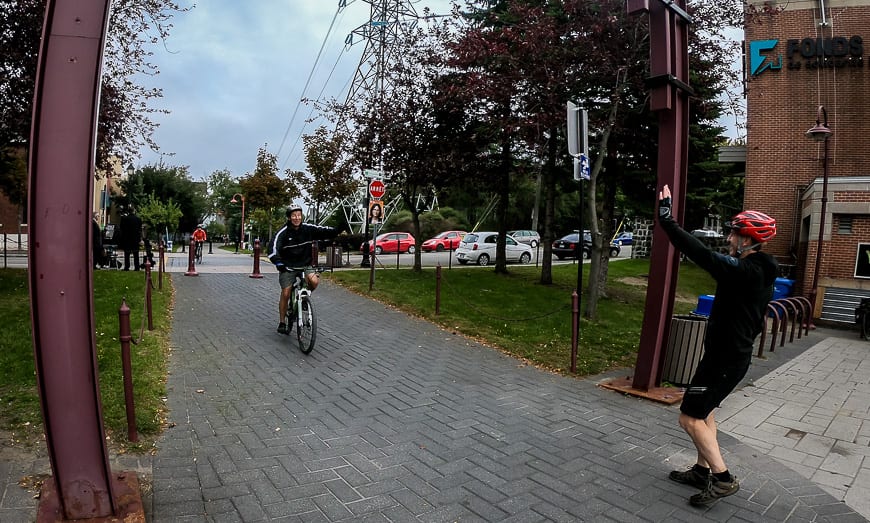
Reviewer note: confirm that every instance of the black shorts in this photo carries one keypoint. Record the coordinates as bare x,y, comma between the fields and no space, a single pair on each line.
713,382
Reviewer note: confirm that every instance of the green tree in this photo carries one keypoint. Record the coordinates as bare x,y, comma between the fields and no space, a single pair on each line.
265,190
160,216
167,183
330,175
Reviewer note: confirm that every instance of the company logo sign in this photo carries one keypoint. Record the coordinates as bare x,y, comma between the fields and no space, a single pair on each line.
807,53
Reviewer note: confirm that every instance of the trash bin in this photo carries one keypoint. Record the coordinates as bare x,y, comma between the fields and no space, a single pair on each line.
333,256
685,348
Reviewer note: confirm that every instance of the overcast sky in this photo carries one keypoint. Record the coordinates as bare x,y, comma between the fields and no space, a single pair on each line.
233,72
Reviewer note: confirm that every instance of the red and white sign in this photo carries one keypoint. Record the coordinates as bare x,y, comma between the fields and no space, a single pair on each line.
377,189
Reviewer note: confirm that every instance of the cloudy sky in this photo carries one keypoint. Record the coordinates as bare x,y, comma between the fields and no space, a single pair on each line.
233,72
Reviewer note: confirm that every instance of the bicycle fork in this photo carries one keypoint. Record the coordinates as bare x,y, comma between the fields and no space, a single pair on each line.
300,295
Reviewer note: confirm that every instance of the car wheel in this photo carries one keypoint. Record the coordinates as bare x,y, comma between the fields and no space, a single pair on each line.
533,244
439,248
379,250
614,252
525,257
586,254
483,259
412,249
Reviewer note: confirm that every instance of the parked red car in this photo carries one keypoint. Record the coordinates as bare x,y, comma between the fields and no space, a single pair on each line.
393,241
447,240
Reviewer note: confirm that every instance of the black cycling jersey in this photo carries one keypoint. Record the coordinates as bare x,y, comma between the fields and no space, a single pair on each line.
744,286
292,245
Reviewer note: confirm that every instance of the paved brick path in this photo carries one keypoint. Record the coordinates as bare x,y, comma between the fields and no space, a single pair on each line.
393,419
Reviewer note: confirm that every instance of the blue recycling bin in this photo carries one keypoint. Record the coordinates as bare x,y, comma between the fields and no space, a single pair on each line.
705,305
782,288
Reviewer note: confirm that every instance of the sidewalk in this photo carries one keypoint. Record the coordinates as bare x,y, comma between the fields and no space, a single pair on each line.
393,419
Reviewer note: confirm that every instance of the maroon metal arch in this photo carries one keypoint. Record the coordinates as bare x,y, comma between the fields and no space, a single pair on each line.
61,181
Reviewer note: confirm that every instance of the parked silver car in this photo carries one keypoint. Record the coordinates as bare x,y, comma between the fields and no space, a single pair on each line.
479,248
529,237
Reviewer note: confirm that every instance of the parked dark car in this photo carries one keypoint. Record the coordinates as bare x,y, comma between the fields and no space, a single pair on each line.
568,246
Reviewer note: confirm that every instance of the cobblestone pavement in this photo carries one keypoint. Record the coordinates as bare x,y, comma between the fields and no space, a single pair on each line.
393,419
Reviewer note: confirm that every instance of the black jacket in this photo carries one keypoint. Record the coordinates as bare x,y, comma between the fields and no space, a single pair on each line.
744,286
292,247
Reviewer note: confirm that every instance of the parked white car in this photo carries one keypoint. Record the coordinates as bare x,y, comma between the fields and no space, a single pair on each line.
479,248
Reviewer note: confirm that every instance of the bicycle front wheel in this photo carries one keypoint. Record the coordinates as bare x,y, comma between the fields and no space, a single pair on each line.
306,329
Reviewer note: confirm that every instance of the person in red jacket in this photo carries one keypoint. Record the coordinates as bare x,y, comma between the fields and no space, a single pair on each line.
744,286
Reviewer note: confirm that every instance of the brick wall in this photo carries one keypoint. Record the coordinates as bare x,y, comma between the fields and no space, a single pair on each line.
782,105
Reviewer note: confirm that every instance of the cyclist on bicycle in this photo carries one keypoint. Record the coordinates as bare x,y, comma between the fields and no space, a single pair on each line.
291,248
199,236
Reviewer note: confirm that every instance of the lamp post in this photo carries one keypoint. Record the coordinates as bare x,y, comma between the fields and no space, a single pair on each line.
820,133
242,237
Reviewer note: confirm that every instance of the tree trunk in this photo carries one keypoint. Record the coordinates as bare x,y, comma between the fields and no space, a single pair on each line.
503,191
549,182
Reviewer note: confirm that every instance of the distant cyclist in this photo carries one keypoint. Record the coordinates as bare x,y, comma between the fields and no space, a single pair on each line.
200,237
291,248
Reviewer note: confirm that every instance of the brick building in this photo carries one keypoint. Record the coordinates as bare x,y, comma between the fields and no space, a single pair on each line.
808,62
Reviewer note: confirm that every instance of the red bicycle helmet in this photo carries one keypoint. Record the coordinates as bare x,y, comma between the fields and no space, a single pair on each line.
757,225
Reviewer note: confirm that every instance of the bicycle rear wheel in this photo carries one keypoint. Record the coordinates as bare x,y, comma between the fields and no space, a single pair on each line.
306,330
198,253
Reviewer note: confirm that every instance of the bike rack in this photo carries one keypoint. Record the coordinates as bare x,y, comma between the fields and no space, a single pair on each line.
796,309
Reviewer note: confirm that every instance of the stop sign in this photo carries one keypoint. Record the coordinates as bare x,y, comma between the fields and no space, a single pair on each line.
377,189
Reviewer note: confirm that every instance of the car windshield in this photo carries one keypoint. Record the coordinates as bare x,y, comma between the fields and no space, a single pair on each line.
444,234
571,237
469,238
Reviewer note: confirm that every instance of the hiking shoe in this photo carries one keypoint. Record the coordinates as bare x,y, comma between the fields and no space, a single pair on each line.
689,477
715,490
282,328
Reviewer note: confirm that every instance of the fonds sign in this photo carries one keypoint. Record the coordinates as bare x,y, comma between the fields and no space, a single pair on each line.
807,53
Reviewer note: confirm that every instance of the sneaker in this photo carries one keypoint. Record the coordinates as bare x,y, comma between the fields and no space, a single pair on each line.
282,328
689,477
715,490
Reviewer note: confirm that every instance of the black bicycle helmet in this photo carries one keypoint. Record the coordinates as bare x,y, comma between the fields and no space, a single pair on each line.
754,224
292,208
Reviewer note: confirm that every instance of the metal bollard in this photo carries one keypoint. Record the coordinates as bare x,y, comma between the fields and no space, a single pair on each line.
127,366
191,269
256,273
438,289
575,331
148,294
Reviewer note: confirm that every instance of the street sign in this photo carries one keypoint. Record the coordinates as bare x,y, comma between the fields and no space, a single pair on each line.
377,189
582,169
372,173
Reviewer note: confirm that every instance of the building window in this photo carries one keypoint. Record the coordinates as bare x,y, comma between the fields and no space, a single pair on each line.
844,224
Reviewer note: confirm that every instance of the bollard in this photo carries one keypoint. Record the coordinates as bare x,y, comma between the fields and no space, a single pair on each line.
160,265
438,289
256,273
148,294
209,247
191,269
575,331
127,366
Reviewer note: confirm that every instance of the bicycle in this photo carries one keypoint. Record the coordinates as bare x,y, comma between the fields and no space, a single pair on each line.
300,309
198,255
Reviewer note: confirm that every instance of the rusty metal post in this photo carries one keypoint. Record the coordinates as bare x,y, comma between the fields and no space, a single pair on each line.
148,295
669,98
256,273
438,289
160,265
575,324
127,366
61,181
191,254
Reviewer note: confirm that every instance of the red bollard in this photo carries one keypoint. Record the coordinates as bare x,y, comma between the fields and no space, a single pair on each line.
160,265
438,289
191,254
256,273
127,366
148,294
